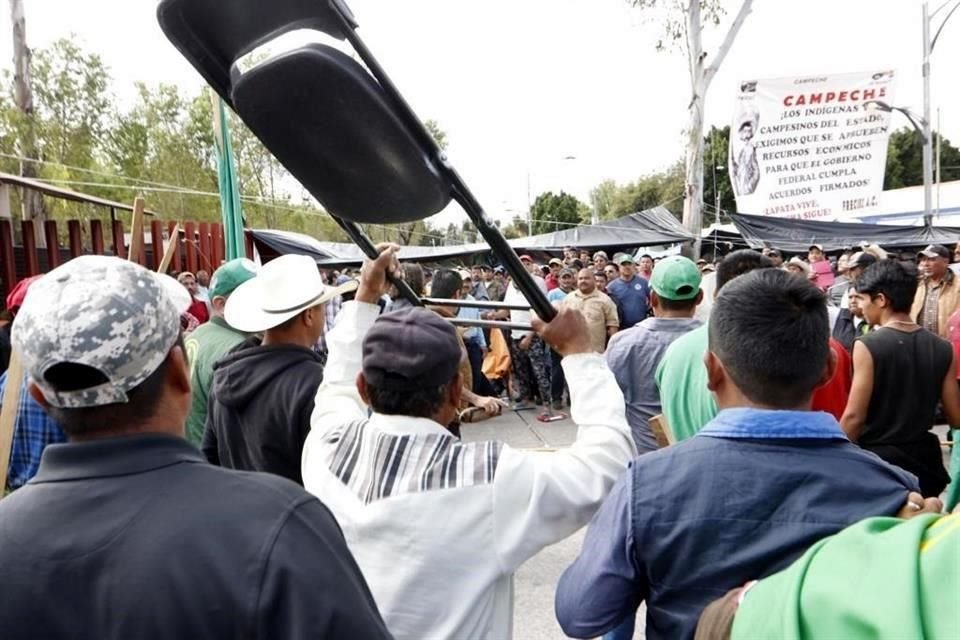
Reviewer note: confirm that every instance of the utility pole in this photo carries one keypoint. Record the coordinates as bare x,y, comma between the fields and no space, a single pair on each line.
31,201
928,45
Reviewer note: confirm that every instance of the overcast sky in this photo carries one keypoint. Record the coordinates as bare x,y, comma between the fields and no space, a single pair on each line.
519,85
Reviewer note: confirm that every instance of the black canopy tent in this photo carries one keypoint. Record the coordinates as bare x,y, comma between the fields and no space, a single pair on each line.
643,228
799,235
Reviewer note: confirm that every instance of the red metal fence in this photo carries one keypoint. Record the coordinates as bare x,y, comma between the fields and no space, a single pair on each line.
200,246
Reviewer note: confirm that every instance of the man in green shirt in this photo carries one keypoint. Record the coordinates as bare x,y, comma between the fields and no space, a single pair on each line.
882,578
681,375
213,340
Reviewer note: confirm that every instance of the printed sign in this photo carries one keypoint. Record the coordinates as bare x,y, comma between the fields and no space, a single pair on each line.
813,148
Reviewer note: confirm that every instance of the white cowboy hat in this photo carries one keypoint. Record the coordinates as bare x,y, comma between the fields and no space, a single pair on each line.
798,262
283,288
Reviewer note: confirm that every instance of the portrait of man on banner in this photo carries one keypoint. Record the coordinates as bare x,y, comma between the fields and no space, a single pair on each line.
743,154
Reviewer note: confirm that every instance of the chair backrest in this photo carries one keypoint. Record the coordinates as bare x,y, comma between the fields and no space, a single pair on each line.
320,112
328,121
213,34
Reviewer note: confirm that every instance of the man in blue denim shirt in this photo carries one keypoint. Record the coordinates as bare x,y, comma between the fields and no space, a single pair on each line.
747,495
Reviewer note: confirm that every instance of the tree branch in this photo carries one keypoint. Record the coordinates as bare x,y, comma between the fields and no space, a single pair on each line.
727,42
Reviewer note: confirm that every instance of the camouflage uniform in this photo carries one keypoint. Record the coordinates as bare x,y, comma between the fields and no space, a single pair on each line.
531,368
102,312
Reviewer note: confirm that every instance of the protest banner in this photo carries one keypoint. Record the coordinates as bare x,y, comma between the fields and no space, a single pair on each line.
813,148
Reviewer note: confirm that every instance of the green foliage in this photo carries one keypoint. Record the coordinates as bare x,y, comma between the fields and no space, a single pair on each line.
556,212
439,135
905,159
161,146
659,188
715,162
672,15
602,198
70,102
516,229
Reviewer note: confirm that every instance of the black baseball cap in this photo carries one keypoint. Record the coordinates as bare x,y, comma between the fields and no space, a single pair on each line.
936,250
410,349
861,259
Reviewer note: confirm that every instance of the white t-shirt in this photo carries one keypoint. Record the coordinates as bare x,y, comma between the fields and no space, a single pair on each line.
515,296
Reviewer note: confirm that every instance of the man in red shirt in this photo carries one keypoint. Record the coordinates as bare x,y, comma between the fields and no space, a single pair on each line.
552,278
832,397
198,308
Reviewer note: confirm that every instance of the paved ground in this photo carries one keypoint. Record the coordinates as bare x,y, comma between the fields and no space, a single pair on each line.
535,582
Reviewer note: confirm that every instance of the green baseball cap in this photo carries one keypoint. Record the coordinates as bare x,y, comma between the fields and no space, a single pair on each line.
624,258
231,275
676,278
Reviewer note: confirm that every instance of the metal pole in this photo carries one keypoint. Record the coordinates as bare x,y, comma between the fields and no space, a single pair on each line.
939,138
928,143
529,207
716,189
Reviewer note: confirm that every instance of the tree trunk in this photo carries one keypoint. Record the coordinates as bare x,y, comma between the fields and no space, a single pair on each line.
32,201
700,78
693,188
693,195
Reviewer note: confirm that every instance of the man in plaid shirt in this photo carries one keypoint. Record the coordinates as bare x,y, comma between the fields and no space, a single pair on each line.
34,430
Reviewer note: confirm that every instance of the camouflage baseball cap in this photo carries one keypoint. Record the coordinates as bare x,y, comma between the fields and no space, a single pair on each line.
102,312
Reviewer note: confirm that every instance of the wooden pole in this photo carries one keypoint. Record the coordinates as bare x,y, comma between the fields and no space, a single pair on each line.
53,244
170,249
8,415
32,201
136,232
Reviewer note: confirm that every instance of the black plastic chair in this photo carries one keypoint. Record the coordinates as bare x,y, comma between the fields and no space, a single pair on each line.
341,128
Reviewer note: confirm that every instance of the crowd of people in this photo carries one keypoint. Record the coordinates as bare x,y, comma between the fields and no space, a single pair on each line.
274,451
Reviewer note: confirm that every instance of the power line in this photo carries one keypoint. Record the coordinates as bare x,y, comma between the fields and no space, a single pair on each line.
258,200
160,187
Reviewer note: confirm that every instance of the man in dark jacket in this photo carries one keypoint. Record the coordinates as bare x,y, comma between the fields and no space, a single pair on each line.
262,397
125,531
747,495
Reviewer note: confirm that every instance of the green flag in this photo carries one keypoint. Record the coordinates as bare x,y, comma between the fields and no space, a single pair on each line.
231,209
882,578
953,492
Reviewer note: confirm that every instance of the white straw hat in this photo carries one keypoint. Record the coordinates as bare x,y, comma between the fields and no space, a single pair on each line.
283,288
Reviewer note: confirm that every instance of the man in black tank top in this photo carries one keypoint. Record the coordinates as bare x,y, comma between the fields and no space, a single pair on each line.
900,372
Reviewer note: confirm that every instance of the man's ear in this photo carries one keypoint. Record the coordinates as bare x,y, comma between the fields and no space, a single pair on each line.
456,391
38,395
716,373
178,373
654,299
219,303
362,388
699,297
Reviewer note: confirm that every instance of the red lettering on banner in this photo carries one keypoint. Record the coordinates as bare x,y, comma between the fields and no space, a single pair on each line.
832,96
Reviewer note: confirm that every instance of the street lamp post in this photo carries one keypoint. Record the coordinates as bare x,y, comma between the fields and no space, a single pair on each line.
923,123
922,126
928,45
